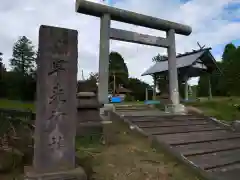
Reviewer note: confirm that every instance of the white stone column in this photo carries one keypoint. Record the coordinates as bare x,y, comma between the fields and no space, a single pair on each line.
172,69
104,58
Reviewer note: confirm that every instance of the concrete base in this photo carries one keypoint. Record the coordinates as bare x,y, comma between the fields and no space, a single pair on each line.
236,125
74,174
108,107
175,109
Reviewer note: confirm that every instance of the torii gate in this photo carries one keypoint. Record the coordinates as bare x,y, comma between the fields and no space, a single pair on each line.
107,13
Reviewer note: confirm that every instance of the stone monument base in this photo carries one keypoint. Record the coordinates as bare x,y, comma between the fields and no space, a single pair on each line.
74,174
175,109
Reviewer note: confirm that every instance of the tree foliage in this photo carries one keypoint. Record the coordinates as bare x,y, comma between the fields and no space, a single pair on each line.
138,88
23,56
20,81
1,57
159,58
224,83
160,79
2,79
2,67
231,64
88,85
228,53
117,67
94,77
203,85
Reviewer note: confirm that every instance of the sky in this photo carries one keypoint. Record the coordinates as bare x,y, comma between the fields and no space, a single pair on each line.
214,22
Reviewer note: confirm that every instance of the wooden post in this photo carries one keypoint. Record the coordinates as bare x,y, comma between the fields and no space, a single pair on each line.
186,88
154,86
146,93
209,87
114,83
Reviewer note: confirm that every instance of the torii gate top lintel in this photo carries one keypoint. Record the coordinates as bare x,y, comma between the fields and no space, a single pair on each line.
98,10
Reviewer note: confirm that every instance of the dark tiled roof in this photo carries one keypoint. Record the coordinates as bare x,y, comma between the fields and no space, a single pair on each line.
183,60
123,90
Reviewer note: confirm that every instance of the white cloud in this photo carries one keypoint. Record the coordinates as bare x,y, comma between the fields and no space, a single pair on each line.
206,18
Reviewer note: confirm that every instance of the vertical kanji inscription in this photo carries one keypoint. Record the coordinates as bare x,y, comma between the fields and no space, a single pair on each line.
56,99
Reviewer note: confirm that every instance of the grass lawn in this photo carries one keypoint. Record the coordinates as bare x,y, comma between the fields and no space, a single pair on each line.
129,157
130,103
14,104
226,109
223,108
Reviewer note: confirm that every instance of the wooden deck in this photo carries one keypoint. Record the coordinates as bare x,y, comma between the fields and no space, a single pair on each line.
207,145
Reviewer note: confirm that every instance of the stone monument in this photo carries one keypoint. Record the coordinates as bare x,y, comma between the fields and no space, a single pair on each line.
89,120
54,145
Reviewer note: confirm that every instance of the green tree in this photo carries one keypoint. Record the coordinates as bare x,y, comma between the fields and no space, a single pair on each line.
218,84
21,80
23,57
160,79
1,57
227,59
88,85
217,79
233,73
224,82
159,58
228,52
93,77
231,65
117,68
193,93
2,68
92,81
3,88
138,88
202,87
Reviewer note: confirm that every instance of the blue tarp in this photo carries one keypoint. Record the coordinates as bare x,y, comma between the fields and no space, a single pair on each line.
189,100
116,99
151,102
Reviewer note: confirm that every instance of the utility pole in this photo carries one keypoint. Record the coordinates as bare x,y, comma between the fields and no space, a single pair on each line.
146,94
114,83
83,76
